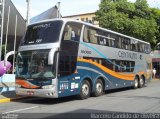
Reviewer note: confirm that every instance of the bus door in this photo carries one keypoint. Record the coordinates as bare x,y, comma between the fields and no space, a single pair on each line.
67,72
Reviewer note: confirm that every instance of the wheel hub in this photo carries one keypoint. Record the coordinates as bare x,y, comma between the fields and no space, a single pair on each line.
141,81
85,89
136,83
99,88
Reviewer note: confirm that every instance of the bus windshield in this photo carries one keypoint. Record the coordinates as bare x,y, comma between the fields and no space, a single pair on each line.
34,64
41,33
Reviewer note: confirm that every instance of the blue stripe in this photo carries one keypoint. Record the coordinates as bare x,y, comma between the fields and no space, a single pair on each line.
105,57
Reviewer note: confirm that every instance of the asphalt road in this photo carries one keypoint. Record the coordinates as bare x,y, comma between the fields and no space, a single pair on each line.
143,100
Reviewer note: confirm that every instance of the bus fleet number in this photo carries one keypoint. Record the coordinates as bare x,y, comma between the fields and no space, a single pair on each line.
86,52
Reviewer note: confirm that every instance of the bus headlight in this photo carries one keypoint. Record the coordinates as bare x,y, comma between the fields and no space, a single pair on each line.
17,86
48,87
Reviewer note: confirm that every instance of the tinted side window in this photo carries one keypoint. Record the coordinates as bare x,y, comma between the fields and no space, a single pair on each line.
72,31
90,35
114,65
134,45
103,37
144,48
125,43
69,48
114,40
124,66
147,49
67,65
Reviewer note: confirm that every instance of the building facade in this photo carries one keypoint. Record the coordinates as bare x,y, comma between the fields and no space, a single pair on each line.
156,60
8,13
87,17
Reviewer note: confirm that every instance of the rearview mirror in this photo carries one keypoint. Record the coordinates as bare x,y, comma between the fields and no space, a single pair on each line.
51,56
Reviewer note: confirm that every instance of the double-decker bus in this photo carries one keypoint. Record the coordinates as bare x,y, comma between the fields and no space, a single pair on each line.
63,57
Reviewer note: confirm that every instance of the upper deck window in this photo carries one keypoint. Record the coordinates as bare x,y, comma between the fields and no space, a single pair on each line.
41,33
134,45
90,35
72,31
125,43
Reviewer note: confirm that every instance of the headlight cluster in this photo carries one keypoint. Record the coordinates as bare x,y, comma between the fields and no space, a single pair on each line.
17,86
48,87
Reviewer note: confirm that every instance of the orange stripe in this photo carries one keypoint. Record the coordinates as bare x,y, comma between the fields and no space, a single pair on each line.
140,73
25,84
113,73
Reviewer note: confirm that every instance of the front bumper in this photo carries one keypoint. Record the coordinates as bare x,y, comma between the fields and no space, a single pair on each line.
46,93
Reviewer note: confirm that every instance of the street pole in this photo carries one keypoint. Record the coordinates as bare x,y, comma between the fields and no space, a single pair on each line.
15,39
3,5
59,14
28,12
6,43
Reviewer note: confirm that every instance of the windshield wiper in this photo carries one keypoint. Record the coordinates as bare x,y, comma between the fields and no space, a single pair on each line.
43,78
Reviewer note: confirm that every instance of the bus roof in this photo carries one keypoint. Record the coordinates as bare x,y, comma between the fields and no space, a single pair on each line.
89,24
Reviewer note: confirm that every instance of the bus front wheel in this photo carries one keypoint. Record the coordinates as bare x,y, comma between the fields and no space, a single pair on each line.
136,82
99,88
141,82
85,90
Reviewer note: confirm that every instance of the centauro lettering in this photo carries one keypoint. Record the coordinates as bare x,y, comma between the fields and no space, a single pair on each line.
129,55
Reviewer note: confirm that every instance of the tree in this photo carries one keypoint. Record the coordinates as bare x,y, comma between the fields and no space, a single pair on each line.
134,19
156,16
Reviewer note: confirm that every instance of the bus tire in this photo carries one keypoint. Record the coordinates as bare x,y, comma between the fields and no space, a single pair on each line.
141,82
136,80
85,90
99,88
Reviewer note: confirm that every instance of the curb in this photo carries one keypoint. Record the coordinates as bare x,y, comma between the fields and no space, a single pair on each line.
5,100
155,80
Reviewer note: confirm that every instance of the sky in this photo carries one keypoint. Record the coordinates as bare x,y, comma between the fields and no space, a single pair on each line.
67,7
